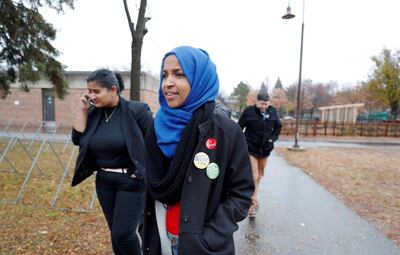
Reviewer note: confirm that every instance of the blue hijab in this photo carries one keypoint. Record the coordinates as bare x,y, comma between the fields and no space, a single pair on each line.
203,79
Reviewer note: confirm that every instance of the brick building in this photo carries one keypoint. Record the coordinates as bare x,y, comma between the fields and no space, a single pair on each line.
40,106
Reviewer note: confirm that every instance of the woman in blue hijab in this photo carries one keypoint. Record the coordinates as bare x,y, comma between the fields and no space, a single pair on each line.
199,178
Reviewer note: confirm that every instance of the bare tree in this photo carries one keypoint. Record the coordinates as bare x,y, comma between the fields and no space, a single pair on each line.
137,33
320,94
278,98
350,95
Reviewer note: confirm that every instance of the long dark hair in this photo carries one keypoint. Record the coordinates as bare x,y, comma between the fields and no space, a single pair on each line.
107,79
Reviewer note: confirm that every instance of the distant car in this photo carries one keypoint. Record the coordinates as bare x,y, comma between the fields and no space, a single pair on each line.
288,118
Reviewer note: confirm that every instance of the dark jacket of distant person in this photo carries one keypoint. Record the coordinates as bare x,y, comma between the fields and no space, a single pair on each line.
260,133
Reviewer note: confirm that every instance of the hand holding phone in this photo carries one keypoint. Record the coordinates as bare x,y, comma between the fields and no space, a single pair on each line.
89,100
86,101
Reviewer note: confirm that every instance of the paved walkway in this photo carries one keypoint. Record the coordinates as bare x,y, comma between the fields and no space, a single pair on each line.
298,216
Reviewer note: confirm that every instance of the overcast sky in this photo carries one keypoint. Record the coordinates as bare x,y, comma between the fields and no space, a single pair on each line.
247,39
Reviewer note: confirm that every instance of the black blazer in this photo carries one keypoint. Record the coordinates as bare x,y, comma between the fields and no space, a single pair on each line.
136,120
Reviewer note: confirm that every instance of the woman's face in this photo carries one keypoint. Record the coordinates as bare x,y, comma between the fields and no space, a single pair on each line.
175,86
101,96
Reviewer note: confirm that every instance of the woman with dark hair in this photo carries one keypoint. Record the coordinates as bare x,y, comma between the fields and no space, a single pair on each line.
109,131
199,179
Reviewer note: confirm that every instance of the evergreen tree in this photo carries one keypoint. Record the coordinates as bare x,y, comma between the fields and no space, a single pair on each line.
26,52
240,93
263,89
278,84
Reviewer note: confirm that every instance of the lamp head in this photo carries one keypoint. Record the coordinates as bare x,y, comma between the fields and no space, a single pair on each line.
289,14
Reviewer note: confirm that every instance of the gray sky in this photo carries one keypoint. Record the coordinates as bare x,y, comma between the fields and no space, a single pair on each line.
247,40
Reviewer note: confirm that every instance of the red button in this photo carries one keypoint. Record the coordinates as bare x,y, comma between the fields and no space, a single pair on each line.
211,143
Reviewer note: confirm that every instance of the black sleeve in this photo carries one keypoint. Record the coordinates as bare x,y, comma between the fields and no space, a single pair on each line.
277,129
242,119
143,116
76,136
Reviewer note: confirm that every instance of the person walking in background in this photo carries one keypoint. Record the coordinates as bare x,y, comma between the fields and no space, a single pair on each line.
222,109
199,178
262,128
109,131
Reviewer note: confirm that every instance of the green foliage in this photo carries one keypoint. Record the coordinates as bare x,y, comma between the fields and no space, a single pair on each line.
385,79
240,92
263,89
26,52
278,84
291,92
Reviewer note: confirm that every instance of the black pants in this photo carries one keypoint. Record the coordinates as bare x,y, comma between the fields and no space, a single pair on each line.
121,198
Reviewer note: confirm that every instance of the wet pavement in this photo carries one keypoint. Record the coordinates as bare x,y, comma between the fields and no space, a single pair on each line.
298,216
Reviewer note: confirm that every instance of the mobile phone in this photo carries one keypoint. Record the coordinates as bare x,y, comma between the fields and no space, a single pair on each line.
89,100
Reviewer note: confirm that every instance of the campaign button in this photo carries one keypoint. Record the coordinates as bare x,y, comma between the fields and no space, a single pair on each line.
201,160
211,143
212,171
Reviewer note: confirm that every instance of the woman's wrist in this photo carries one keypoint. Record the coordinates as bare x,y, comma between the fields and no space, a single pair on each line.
84,110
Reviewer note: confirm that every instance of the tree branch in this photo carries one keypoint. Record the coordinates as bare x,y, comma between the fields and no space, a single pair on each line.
128,16
141,21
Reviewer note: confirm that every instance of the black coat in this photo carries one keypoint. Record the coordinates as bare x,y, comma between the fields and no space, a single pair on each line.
210,209
136,120
260,134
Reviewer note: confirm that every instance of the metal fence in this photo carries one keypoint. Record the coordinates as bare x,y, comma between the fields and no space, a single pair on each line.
36,168
370,129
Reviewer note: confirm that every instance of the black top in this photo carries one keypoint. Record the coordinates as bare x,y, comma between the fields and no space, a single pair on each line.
107,145
136,119
260,130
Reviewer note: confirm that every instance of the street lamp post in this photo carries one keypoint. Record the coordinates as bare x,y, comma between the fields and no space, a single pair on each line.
289,15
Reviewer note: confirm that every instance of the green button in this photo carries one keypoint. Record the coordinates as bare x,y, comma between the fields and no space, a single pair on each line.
212,171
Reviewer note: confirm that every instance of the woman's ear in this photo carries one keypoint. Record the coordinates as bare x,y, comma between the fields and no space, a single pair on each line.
114,90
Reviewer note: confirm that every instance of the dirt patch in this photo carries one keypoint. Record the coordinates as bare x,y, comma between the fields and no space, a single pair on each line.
365,179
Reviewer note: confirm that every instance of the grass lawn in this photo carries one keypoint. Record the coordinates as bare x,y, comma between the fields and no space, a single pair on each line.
33,227
33,230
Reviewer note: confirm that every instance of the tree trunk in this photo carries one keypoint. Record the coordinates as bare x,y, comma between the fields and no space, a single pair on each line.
393,110
136,46
135,71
